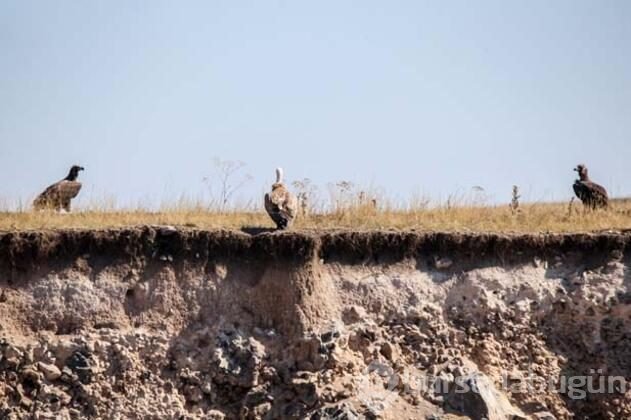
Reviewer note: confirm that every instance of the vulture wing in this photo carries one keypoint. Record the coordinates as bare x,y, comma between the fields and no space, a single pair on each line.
272,209
591,194
58,195
579,190
281,205
597,190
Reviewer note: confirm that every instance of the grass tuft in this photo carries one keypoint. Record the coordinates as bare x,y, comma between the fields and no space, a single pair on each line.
359,212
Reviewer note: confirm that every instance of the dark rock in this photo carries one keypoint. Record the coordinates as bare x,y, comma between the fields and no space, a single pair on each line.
79,363
476,397
31,378
343,411
294,410
237,360
257,396
306,392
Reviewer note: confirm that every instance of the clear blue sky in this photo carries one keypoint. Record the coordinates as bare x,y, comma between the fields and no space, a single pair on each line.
430,96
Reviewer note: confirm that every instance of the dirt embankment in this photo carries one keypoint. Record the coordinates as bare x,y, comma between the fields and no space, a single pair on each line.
168,323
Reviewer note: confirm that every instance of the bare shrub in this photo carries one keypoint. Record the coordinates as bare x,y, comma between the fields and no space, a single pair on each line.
342,196
228,178
307,195
514,204
570,207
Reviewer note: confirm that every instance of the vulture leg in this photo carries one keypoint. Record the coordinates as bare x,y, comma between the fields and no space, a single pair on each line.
64,203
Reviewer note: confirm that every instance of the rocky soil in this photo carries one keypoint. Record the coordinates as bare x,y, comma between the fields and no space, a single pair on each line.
159,322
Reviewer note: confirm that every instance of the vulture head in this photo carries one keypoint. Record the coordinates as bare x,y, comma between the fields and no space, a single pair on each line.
74,173
582,172
279,175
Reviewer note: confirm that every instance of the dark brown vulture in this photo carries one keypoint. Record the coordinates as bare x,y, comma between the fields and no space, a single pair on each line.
59,195
281,205
591,194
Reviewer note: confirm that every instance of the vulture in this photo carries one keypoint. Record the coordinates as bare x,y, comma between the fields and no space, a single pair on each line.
591,194
59,195
281,205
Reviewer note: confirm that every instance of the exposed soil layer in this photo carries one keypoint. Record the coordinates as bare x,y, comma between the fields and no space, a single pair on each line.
160,322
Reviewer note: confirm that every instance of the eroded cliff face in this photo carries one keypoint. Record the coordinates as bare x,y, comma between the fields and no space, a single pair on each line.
161,322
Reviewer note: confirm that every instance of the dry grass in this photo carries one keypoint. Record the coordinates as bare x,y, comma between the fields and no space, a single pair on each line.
548,217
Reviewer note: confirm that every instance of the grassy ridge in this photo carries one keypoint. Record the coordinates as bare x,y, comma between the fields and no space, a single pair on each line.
553,217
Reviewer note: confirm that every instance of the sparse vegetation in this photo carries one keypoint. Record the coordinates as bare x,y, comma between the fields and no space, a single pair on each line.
355,213
346,206
227,178
514,203
570,207
306,192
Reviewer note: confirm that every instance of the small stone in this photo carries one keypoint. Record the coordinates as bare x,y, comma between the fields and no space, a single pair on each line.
354,314
26,402
476,397
544,415
261,410
306,391
459,372
64,350
80,365
50,371
193,394
214,415
443,263
12,352
387,350
343,411
443,383
206,388
31,377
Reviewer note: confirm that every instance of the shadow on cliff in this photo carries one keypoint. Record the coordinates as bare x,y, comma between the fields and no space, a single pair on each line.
257,230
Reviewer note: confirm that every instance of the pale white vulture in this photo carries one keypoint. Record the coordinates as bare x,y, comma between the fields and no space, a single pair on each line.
281,205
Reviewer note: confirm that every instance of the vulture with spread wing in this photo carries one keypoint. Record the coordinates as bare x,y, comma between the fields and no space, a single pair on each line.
59,195
281,205
591,194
